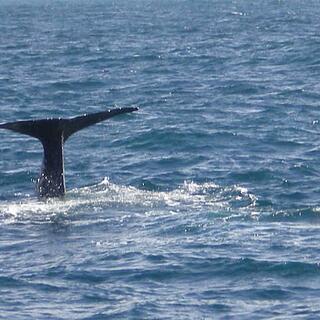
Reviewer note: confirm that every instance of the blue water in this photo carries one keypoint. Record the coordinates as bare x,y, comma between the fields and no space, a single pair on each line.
205,203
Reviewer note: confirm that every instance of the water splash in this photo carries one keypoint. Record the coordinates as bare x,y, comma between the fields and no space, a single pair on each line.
190,197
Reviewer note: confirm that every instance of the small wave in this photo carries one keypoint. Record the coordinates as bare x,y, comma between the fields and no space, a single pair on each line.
210,199
190,197
306,215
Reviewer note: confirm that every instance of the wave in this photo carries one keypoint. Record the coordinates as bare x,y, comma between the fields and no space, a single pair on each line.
190,197
208,199
306,215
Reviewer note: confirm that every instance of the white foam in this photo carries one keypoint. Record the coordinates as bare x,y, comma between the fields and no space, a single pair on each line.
190,196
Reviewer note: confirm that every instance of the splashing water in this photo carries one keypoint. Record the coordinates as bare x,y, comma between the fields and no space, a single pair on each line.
190,197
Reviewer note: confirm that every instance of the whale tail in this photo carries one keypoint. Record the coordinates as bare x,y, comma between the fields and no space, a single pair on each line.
53,133
46,128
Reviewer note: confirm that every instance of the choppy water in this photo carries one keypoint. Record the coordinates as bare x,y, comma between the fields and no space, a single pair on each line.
202,205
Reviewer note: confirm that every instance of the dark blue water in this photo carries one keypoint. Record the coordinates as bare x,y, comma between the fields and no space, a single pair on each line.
205,203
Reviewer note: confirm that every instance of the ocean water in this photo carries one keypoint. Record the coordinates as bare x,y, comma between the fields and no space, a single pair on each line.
205,203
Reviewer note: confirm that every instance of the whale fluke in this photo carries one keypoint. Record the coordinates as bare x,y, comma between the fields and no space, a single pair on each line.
53,133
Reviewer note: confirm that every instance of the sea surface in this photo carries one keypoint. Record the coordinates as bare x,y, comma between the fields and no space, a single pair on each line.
204,204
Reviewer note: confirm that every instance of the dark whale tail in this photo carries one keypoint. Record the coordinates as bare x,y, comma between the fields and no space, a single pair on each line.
53,133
